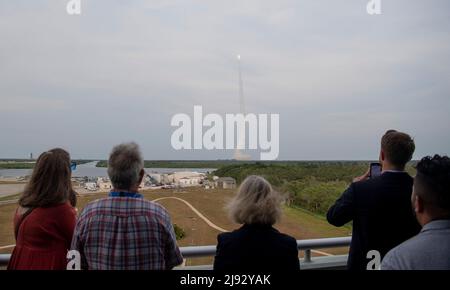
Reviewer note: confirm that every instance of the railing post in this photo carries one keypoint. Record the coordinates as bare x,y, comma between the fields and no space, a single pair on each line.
307,258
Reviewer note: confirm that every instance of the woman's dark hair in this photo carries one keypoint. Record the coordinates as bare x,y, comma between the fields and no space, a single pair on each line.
50,183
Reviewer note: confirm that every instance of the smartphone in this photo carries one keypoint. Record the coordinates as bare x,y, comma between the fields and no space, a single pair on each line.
375,169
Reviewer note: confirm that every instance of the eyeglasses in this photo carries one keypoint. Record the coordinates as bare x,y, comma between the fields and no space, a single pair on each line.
73,165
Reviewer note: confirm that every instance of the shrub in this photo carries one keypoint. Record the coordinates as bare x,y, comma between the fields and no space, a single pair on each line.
179,232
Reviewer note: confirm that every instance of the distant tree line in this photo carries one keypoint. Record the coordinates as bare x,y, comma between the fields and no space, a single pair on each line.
222,163
313,186
21,164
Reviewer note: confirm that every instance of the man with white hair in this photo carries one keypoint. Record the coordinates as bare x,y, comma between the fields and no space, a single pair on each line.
124,231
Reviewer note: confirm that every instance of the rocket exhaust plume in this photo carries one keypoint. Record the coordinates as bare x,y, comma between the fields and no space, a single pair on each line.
238,155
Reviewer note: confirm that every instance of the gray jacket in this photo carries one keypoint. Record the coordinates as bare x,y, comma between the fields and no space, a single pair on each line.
429,250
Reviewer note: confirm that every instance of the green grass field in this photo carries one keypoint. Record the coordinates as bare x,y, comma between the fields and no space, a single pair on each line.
298,223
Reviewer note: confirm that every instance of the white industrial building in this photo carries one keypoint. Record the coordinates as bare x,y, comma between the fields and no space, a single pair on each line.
104,183
190,181
91,186
225,183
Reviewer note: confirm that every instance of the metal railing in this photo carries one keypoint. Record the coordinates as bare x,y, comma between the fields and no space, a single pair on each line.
308,262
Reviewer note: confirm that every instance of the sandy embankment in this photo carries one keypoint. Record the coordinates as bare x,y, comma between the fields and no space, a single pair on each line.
7,189
14,187
11,188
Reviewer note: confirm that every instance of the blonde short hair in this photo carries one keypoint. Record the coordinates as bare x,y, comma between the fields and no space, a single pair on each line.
255,203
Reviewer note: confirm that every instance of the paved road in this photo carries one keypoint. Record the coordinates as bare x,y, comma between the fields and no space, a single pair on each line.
200,215
213,225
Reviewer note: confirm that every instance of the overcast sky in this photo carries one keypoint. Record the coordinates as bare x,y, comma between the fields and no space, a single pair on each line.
337,76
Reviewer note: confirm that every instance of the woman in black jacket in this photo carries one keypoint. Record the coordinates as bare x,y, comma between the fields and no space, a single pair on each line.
256,246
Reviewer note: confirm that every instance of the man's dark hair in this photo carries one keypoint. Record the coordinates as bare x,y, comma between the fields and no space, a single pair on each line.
432,182
398,147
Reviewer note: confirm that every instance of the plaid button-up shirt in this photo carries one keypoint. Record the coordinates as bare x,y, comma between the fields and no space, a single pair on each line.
125,233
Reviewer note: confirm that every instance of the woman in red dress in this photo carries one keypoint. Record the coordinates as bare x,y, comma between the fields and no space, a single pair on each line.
45,219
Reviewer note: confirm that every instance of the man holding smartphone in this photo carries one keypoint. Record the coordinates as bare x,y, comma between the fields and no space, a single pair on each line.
379,205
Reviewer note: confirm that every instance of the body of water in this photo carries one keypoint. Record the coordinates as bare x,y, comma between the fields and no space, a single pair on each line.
89,169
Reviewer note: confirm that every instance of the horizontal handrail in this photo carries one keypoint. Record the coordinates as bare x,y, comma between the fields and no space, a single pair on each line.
323,243
205,251
4,259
